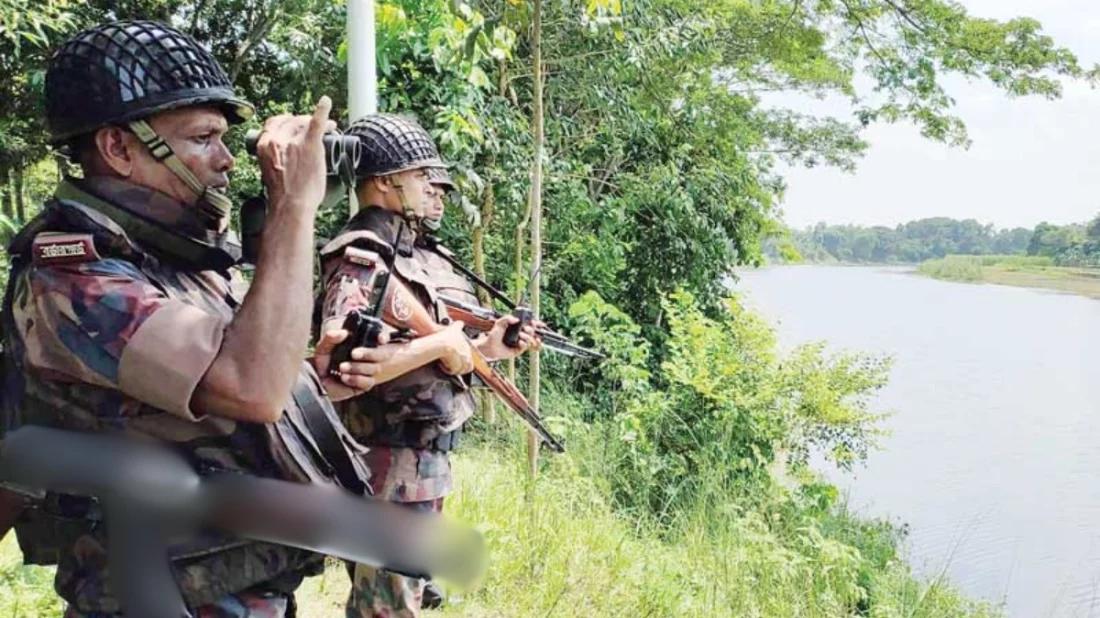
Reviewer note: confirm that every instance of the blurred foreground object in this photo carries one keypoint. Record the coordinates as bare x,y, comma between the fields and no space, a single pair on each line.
147,494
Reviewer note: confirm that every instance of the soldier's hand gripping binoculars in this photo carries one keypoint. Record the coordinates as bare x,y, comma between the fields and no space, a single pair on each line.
342,153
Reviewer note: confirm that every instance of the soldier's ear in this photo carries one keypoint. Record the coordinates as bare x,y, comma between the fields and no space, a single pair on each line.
116,150
383,184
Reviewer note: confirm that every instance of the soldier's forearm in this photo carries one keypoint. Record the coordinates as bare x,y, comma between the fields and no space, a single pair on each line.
411,355
260,357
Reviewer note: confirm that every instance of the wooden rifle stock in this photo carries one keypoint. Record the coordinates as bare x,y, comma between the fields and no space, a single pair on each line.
402,310
478,318
483,319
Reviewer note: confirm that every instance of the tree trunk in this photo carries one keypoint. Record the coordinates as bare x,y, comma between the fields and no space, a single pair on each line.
8,198
261,27
199,8
20,196
517,293
536,226
488,401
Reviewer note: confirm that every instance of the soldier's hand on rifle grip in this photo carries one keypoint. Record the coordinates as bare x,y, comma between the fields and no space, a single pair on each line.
458,356
352,377
523,317
495,344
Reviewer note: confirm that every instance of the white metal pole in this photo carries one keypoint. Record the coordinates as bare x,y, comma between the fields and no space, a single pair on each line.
362,76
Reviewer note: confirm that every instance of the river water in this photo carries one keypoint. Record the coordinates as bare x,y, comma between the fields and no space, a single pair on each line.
994,454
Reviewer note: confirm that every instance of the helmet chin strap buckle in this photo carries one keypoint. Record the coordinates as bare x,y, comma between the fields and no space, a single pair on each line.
212,203
407,210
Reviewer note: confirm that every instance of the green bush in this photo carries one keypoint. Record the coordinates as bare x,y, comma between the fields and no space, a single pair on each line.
711,421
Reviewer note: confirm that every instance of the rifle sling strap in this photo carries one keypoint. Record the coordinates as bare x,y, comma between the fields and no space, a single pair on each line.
433,244
332,447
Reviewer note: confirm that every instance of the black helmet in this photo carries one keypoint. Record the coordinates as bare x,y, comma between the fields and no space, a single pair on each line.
393,144
126,70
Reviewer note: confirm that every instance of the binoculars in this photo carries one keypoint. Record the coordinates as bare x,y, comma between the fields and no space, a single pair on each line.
342,153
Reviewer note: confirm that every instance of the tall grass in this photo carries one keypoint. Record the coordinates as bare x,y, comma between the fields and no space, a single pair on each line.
954,268
1018,270
972,267
559,548
1016,261
968,267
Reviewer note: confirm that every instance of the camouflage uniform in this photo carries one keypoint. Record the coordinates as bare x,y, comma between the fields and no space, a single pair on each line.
447,282
109,335
410,423
247,604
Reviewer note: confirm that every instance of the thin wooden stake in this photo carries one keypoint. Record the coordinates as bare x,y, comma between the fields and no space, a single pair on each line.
536,227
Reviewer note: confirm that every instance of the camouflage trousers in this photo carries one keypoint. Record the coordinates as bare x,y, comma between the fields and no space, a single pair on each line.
378,593
247,604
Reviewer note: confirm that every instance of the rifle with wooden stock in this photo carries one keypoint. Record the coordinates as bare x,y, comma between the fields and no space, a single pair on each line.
398,307
483,320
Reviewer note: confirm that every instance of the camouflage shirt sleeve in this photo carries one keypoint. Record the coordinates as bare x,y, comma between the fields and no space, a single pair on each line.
104,323
347,288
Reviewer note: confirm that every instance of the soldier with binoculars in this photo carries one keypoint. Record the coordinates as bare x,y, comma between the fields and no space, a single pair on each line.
124,314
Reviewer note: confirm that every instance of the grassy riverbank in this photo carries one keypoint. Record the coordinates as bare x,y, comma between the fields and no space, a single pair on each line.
566,552
1019,271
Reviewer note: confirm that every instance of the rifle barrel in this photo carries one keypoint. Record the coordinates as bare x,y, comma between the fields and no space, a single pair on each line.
556,342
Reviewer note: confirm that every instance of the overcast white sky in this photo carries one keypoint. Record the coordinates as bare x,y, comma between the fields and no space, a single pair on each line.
1031,159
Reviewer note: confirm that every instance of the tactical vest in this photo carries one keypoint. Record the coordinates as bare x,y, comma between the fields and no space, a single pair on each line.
443,276
424,408
208,567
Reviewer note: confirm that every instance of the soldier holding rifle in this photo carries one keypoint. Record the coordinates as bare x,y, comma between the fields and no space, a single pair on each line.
412,419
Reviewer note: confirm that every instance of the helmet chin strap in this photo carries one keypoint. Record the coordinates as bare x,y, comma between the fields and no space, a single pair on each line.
407,210
211,203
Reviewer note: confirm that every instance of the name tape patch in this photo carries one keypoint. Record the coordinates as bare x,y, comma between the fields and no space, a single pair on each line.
56,248
361,256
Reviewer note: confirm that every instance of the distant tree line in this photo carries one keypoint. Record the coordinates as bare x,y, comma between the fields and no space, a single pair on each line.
1077,244
1070,245
910,242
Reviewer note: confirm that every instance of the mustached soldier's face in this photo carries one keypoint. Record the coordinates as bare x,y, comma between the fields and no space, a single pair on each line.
195,135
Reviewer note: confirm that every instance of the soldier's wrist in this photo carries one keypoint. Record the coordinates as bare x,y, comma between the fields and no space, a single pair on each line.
484,346
289,211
